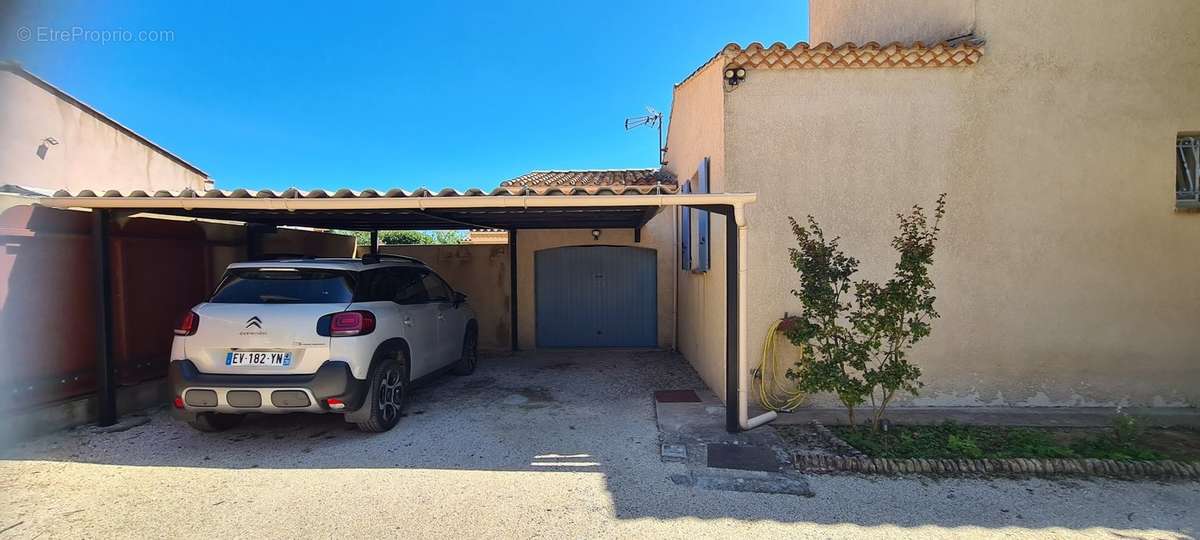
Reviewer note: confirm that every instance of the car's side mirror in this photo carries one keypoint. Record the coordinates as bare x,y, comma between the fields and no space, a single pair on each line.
459,298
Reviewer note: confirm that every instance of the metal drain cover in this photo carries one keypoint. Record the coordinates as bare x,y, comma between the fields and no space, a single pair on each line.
743,457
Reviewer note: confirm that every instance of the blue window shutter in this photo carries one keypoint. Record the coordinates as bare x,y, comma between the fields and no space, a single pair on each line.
702,221
685,231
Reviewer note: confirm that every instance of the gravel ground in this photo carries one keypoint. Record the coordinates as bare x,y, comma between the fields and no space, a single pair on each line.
557,444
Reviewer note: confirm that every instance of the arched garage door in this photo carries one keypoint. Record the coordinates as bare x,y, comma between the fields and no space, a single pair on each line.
596,296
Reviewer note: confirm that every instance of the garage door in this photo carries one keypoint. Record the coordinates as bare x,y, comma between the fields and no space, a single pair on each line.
596,296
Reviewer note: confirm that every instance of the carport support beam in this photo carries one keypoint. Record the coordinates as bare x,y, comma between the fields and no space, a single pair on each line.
106,391
375,242
512,287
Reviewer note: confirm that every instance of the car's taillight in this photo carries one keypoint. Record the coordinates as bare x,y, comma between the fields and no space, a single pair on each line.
188,324
346,323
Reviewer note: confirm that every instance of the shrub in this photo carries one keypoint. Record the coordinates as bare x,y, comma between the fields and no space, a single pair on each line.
964,445
857,348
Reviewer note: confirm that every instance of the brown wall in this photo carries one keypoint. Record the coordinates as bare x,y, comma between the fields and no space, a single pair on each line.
1062,274
160,268
480,272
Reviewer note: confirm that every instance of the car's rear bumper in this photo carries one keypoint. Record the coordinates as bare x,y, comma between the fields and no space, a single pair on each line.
207,392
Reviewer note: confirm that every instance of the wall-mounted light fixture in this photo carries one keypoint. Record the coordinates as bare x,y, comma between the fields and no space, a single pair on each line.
595,234
45,146
735,75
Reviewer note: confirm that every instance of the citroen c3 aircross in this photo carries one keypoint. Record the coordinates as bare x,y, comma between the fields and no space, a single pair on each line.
346,336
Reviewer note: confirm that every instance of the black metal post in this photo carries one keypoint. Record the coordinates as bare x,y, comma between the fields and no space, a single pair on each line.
106,391
732,374
512,286
375,242
253,242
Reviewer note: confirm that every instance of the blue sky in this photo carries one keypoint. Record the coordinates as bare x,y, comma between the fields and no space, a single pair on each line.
454,94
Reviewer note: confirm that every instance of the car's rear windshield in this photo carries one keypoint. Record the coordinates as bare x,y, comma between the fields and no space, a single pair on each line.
284,286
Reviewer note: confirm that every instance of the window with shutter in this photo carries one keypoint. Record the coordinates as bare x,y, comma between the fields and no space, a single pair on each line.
685,231
1187,170
702,221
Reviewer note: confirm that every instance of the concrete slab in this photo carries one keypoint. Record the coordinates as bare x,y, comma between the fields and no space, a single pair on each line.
28,423
751,461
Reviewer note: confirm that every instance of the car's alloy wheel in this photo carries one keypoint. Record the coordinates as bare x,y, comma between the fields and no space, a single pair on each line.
391,395
388,390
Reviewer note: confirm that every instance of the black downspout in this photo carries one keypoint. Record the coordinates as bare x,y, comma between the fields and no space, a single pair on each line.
512,286
106,391
732,403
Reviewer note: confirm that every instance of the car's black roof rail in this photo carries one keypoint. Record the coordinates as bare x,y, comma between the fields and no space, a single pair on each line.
374,258
281,256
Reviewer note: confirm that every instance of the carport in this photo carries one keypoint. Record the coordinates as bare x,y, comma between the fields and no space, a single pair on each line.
507,208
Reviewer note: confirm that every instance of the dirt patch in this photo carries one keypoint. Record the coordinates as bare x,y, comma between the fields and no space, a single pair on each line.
805,440
966,441
1180,444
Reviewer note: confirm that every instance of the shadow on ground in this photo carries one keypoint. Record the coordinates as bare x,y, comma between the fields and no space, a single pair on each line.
577,418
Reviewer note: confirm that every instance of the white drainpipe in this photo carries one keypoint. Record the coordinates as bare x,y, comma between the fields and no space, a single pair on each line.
743,391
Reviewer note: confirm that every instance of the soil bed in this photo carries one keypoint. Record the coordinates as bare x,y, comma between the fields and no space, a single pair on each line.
959,441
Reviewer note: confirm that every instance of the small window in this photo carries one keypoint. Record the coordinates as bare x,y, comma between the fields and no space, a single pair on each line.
438,290
1187,178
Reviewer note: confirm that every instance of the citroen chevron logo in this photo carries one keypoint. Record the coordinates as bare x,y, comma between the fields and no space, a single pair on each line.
255,322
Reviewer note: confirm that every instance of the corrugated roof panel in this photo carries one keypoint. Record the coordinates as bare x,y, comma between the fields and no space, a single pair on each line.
344,193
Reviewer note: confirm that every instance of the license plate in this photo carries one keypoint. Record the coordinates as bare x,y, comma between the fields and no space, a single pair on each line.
258,358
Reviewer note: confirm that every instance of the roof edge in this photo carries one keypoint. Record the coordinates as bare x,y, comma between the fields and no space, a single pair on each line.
19,70
959,51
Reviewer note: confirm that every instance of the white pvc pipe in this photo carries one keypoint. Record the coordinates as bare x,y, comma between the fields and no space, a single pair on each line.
743,397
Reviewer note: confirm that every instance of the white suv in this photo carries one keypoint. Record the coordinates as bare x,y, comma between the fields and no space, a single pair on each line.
319,335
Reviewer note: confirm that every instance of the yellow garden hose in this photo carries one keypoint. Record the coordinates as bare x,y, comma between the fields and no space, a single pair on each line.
775,391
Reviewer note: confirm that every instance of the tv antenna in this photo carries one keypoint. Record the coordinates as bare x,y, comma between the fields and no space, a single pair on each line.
655,120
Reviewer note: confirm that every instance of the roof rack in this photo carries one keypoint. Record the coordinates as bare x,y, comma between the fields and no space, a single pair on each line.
375,258
281,257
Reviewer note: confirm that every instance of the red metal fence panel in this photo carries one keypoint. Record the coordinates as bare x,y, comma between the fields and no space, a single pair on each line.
47,302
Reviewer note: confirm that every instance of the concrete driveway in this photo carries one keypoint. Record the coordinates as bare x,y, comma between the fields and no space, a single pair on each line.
547,444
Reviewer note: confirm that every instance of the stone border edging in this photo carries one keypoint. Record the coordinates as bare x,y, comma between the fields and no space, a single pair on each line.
1014,466
857,462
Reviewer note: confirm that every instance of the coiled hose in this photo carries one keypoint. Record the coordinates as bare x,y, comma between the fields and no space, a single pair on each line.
775,391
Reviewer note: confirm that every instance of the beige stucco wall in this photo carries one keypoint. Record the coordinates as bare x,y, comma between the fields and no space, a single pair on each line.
227,243
885,21
657,234
90,153
1063,273
480,272
697,131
